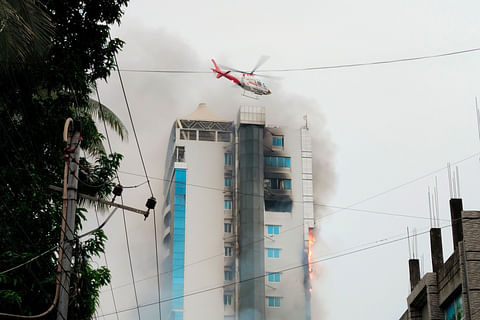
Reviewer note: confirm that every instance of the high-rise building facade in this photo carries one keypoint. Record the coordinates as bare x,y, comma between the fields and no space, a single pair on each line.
238,219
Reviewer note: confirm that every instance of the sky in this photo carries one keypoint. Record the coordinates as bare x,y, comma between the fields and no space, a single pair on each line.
381,133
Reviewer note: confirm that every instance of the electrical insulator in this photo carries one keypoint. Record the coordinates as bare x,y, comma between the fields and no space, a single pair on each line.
151,202
117,190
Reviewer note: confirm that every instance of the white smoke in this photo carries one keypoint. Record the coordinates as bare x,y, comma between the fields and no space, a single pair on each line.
156,100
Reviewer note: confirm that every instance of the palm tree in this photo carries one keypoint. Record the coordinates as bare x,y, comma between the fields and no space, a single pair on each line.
26,31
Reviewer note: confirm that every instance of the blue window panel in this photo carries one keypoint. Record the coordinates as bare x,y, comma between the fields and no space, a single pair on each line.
273,229
228,182
228,159
180,175
178,315
227,204
227,300
277,141
287,184
179,199
281,162
178,254
273,253
180,187
274,277
287,162
274,302
270,229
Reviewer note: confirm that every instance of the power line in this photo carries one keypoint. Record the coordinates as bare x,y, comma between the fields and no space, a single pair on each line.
106,264
338,66
340,208
131,122
123,210
29,260
331,257
149,186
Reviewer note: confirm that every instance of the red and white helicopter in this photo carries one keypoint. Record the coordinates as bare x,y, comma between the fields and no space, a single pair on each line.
247,81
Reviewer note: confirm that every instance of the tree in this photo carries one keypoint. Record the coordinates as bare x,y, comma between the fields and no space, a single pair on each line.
37,95
25,31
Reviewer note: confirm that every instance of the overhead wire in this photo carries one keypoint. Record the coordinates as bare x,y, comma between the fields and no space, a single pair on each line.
343,253
146,177
110,283
123,215
28,261
323,205
326,67
294,227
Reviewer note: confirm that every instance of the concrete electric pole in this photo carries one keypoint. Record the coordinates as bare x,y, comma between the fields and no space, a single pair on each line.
72,154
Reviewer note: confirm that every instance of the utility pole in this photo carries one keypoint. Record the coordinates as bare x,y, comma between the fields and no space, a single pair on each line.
72,152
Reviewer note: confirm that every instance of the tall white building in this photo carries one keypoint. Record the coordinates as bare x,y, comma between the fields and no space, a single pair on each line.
237,218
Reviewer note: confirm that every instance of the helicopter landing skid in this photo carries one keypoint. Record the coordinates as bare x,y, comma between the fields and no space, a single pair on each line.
249,96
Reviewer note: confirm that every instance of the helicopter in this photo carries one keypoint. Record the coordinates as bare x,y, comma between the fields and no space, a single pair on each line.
247,81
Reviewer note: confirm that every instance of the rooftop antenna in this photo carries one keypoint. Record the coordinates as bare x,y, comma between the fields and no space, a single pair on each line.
458,181
437,209
415,244
305,117
430,208
478,117
409,250
449,169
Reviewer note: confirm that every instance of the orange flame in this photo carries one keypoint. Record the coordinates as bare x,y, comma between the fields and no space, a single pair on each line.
311,241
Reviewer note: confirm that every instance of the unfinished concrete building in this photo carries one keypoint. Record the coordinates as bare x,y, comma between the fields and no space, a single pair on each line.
452,290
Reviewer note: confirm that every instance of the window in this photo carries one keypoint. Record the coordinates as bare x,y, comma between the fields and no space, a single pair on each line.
273,277
277,162
273,253
224,136
180,154
228,251
273,229
227,300
454,310
278,184
227,204
227,227
188,134
274,302
228,159
228,182
278,206
206,135
228,275
277,141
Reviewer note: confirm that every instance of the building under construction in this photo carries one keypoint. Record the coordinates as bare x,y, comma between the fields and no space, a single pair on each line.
452,290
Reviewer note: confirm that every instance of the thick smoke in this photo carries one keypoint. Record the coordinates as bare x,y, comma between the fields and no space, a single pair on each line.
156,100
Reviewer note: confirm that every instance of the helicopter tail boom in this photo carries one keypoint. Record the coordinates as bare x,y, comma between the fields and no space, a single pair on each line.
225,74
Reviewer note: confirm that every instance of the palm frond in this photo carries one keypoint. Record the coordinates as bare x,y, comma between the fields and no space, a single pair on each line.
26,30
103,113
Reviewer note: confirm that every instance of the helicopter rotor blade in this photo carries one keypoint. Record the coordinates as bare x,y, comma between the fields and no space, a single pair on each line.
231,69
261,61
267,76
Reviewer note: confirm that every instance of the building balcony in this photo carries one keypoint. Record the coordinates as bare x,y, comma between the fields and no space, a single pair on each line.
166,233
